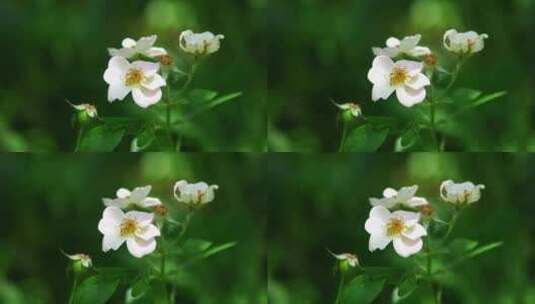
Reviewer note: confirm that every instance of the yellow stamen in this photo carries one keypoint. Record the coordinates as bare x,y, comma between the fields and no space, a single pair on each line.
128,227
133,77
398,76
394,227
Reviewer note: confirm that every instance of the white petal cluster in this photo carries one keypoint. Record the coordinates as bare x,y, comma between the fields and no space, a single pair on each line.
402,228
200,43
405,197
194,194
405,77
139,197
406,46
460,193
144,46
136,228
139,77
464,43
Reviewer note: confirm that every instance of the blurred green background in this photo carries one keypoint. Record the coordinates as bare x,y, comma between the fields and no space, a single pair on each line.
52,202
322,49
54,50
321,201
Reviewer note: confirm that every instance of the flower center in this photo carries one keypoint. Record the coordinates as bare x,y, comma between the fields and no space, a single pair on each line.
398,76
394,227
133,77
128,227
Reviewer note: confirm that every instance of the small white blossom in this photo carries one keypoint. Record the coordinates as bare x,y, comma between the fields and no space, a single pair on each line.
351,259
135,228
405,77
139,77
195,194
408,45
138,197
200,44
84,259
402,198
400,227
354,108
460,193
144,46
464,43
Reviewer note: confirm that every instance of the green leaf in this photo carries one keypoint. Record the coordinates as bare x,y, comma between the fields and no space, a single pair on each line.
405,288
96,290
140,288
194,247
486,99
143,140
101,139
459,247
362,290
217,249
464,95
208,105
201,95
483,249
408,139
365,138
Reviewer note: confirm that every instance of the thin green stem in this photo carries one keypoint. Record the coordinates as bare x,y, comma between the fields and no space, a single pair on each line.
185,225
454,75
163,255
340,289
451,224
434,286
78,139
345,127
73,289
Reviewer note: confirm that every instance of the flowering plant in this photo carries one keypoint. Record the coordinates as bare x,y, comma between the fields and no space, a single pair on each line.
418,231
159,83
418,79
154,235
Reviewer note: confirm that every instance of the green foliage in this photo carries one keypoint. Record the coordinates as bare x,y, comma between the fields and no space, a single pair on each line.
365,138
362,289
97,289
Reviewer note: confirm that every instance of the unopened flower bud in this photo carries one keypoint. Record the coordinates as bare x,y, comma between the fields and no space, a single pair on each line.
80,262
349,109
346,261
426,210
430,59
160,210
166,60
461,193
85,113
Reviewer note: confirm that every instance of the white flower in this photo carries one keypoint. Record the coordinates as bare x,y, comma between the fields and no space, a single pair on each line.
143,46
195,194
84,259
408,45
135,228
404,76
461,193
400,227
354,108
404,198
351,259
200,44
140,77
464,43
138,197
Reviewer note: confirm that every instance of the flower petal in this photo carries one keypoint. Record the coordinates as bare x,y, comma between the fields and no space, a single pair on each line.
143,218
154,82
382,91
409,97
149,232
415,232
419,81
149,68
408,217
406,247
140,193
113,214
145,43
374,226
378,241
117,91
151,202
416,202
139,247
380,213
156,51
111,241
413,67
145,98
380,71
119,63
